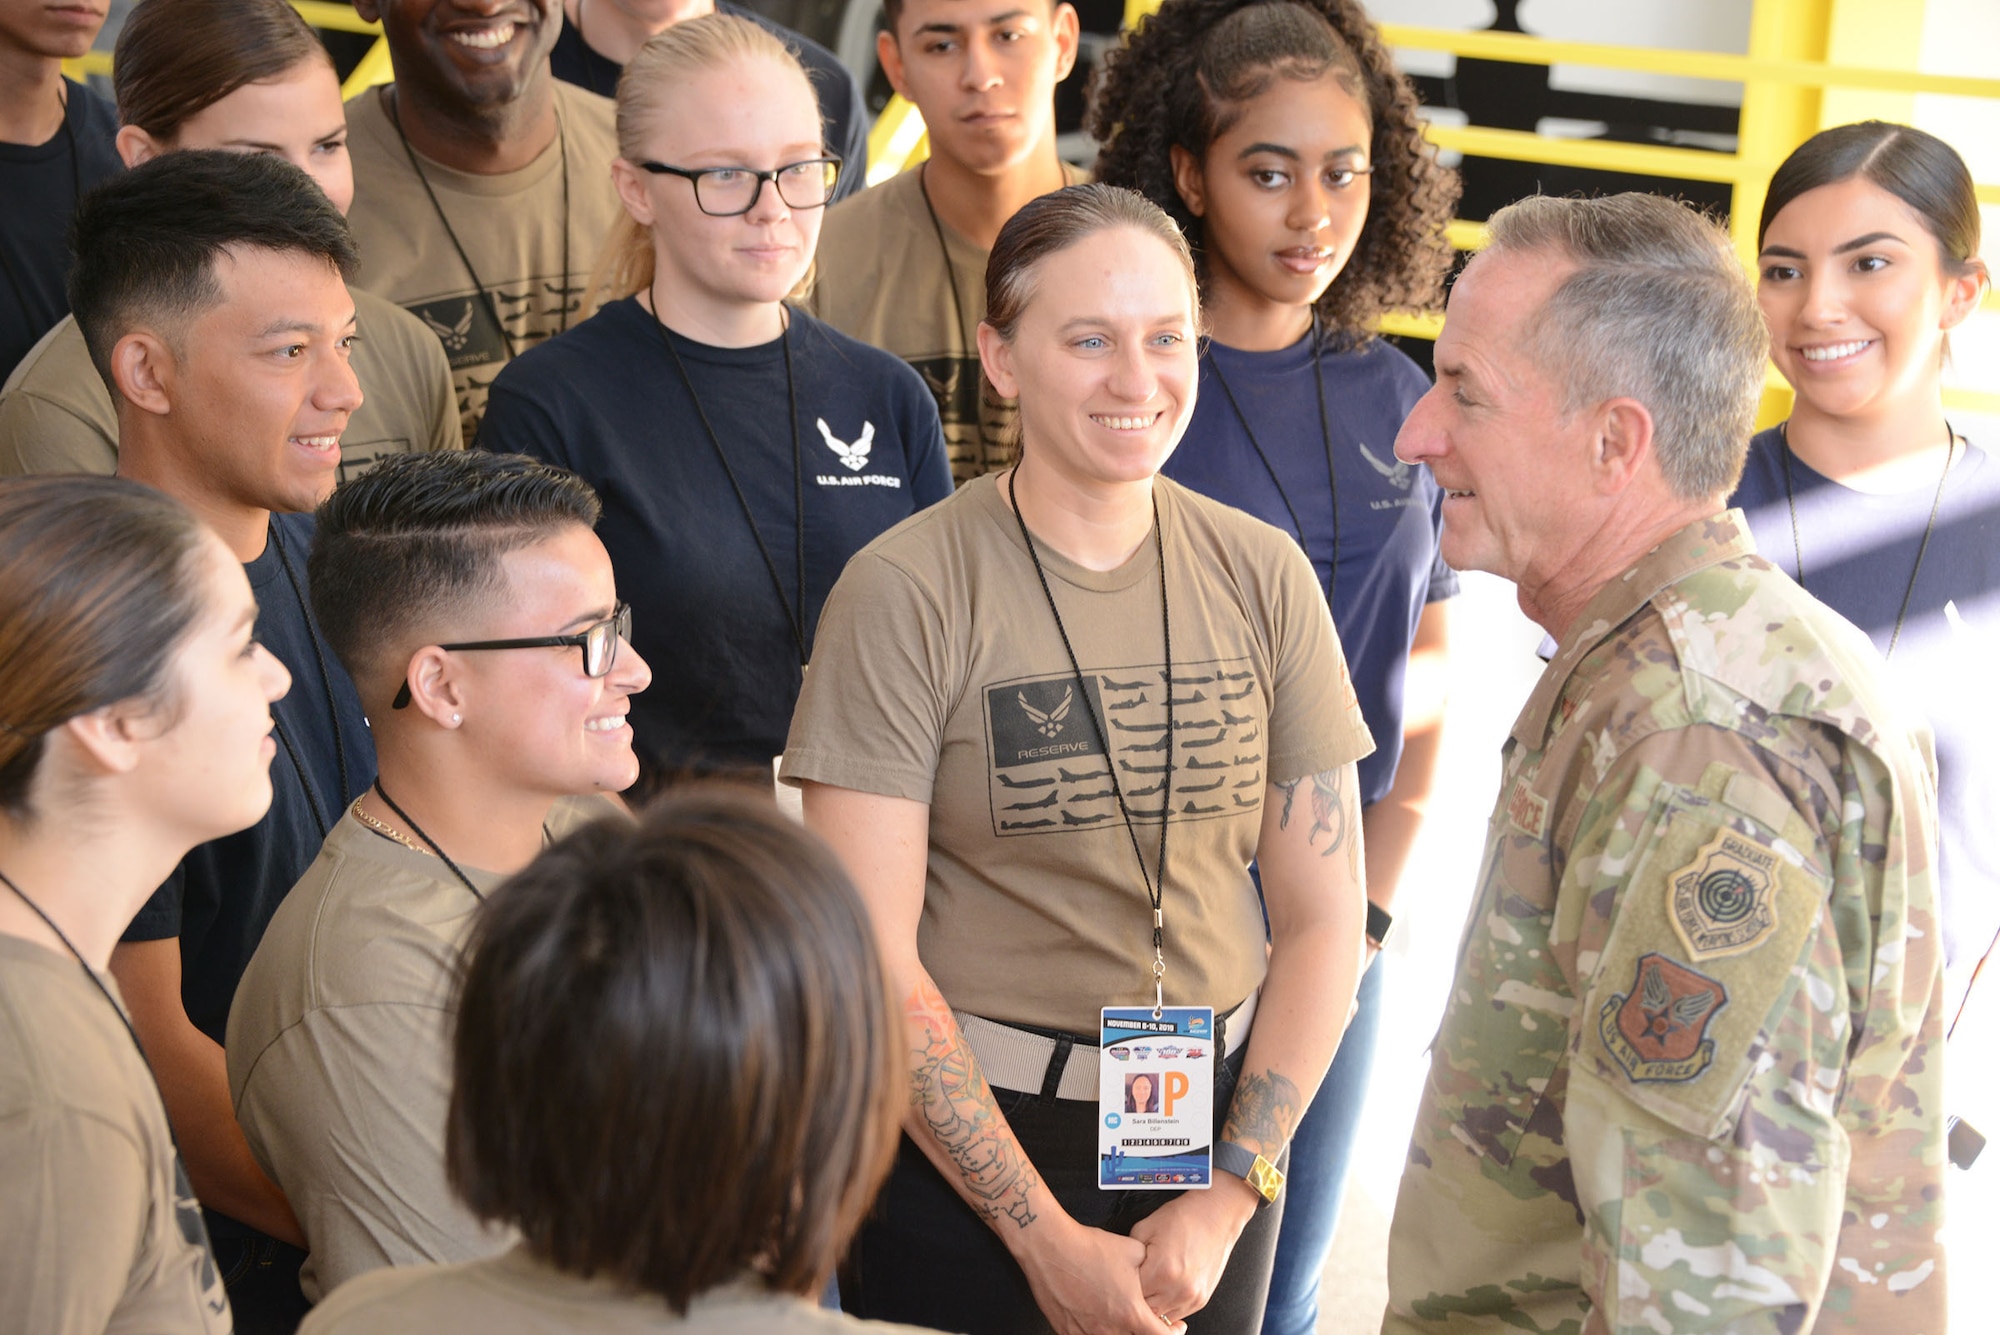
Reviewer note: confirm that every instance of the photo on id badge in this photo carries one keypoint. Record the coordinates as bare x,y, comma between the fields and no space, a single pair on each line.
1155,1098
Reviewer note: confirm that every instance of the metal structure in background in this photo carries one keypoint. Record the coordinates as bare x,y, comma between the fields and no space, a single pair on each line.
1810,63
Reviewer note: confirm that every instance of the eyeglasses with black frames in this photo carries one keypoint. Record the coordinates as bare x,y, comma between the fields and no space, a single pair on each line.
599,643
729,192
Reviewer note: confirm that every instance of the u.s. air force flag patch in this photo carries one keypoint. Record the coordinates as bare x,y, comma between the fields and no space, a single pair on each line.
1725,901
1659,1029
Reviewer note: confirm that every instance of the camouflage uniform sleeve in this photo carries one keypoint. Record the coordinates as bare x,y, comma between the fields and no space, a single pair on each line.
1728,919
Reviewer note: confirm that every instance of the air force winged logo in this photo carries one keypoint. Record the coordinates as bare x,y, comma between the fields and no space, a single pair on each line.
854,455
1398,472
1048,723
454,335
1659,1030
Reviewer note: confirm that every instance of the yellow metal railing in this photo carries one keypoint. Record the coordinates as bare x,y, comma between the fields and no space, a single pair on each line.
899,140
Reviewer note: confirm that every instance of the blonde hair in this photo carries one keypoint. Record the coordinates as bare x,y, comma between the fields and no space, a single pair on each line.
662,65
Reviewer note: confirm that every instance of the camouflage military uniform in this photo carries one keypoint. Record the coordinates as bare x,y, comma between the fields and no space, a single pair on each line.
1687,1078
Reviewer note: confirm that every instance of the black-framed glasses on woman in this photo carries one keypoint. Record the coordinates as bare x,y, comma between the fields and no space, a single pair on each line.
598,641
726,192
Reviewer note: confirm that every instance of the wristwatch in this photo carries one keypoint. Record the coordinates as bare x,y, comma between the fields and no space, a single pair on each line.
1379,923
1262,1175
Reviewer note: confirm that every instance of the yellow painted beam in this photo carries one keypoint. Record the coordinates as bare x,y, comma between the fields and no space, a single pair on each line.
1520,48
1775,118
373,69
89,63
334,18
1687,164
1880,34
897,141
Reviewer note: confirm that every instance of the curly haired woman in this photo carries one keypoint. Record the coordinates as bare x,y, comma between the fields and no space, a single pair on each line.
1284,142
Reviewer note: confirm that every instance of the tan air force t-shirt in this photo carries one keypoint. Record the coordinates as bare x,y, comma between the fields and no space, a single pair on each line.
515,227
99,1230
339,1051
881,277
56,414
938,675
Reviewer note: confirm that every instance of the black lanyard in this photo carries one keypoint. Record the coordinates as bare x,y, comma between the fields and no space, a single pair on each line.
418,831
795,617
1937,501
1326,439
117,1009
1156,885
479,285
319,809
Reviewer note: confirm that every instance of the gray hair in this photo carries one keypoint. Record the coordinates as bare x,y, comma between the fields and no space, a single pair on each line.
1659,310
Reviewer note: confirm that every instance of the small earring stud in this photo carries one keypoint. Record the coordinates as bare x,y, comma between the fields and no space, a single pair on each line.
456,720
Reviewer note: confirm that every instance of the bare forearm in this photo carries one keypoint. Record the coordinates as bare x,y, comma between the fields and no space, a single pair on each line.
1393,824
1300,1016
1312,855
194,1081
953,1118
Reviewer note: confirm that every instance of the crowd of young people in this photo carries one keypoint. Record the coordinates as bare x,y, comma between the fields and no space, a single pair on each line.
406,991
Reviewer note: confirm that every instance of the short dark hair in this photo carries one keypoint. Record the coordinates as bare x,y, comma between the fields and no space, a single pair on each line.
420,536
892,12
99,581
146,241
1918,168
676,1059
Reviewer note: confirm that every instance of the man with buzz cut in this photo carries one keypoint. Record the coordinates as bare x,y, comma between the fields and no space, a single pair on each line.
1688,1077
474,606
209,288
482,185
903,265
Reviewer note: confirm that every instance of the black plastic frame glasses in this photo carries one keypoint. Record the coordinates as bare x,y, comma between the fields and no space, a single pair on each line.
705,184
599,642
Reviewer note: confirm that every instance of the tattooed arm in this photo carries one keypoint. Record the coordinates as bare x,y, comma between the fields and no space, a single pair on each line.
1310,857
1086,1280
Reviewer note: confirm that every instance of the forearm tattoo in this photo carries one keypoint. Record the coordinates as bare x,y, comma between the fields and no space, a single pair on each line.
1333,813
1263,1113
958,1106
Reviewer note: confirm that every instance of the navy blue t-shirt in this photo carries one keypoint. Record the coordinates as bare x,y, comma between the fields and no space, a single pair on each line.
1857,551
222,896
840,106
41,184
606,401
1389,511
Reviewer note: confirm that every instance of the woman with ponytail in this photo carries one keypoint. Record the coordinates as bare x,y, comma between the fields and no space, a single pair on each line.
1286,145
135,724
743,450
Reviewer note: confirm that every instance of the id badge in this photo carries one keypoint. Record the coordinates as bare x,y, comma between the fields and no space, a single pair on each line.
1155,1098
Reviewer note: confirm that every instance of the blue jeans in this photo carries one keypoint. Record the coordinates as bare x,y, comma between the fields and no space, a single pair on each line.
261,1275
1321,1149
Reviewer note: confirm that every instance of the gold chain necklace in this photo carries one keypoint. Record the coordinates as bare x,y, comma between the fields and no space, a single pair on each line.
386,830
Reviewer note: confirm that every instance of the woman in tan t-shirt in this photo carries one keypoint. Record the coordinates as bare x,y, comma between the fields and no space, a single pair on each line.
1049,723
134,724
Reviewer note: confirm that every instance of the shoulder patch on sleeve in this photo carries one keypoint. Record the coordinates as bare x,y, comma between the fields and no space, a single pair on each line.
1712,915
1725,902
1657,1029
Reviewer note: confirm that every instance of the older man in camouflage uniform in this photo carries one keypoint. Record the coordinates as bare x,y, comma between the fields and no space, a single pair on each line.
1687,1078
